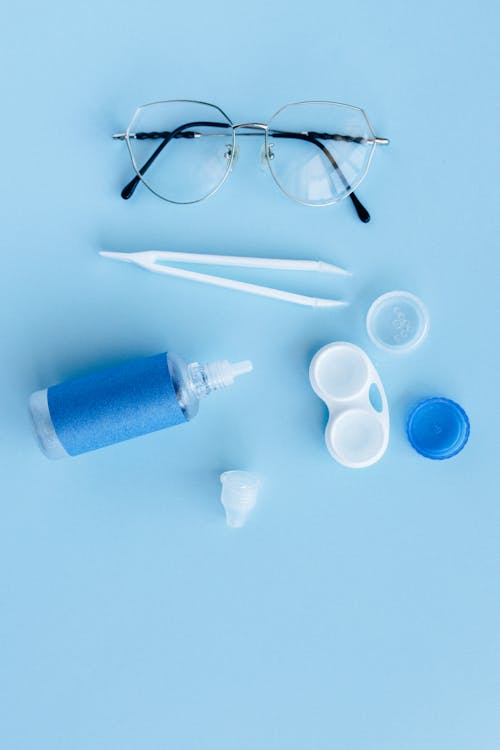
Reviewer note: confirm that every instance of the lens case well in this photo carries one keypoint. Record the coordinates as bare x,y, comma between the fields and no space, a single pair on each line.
343,376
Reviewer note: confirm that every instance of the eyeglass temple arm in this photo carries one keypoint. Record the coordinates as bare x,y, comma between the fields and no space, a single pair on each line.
130,187
361,211
347,138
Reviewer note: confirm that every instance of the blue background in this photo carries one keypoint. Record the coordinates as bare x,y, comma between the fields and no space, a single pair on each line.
358,609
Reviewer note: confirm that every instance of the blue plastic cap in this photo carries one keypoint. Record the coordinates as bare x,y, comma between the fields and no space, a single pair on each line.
438,428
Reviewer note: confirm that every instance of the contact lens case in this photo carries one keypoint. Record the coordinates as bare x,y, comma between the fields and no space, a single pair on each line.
344,377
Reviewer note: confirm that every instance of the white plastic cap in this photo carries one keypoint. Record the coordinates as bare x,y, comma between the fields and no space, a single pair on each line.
239,496
222,373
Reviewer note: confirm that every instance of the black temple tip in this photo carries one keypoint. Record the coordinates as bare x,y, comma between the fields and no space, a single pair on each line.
129,189
363,214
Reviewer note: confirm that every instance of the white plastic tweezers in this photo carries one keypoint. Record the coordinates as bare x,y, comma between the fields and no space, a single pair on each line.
151,260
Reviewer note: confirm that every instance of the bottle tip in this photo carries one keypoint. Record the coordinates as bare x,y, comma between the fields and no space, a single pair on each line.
241,368
222,373
239,496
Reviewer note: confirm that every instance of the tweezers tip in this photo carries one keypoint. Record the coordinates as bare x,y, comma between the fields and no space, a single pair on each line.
330,303
331,268
116,256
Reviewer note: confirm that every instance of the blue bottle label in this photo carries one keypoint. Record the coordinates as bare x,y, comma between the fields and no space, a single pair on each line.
114,405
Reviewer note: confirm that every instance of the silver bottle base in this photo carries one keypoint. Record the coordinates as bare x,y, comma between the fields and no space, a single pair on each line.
43,427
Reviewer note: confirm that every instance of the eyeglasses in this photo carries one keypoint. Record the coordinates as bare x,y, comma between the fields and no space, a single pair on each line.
318,152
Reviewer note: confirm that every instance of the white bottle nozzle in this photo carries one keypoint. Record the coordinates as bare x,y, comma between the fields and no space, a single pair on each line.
222,373
205,378
241,368
239,496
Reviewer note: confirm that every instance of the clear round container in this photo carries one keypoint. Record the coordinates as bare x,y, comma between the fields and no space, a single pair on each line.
397,321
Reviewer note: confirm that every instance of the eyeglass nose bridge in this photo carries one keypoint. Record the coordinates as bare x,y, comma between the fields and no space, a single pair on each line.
265,152
251,125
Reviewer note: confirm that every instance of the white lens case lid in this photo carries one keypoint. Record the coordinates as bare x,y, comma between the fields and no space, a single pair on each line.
344,377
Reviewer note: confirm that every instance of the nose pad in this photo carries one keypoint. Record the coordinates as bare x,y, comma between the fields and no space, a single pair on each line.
266,153
231,153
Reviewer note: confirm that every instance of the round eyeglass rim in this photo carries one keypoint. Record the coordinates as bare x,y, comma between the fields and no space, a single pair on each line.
182,101
352,187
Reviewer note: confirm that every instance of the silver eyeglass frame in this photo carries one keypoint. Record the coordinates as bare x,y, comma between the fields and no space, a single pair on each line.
262,129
